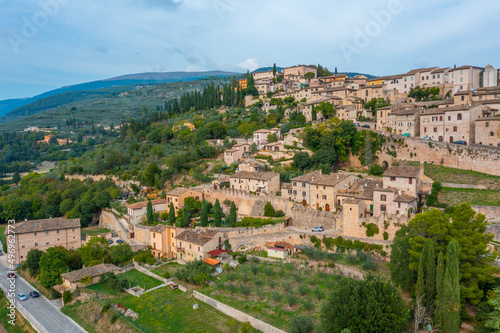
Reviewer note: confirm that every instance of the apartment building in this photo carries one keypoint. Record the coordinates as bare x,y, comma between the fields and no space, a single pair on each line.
137,211
405,121
177,196
324,190
405,178
299,70
163,241
42,234
258,182
260,137
488,131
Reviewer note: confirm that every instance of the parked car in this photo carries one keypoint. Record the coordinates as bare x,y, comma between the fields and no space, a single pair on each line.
407,135
426,137
460,142
11,275
356,124
119,241
34,294
318,229
110,241
366,126
22,297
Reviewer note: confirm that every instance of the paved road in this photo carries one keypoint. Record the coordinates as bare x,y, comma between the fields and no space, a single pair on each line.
40,309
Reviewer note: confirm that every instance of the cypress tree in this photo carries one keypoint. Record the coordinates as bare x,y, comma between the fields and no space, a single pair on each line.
149,212
451,291
430,277
217,213
187,215
420,288
438,313
232,215
204,213
171,214
274,69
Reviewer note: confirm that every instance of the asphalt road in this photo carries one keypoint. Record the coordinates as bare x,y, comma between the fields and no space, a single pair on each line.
40,309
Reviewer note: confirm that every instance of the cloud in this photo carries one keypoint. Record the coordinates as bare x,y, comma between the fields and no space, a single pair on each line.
250,64
170,4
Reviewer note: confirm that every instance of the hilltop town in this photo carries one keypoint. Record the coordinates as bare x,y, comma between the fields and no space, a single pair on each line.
314,172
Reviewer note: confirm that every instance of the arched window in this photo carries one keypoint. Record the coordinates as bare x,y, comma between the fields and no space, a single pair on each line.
459,116
440,118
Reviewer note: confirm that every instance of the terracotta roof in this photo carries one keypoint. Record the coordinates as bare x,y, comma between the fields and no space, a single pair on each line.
178,191
142,204
159,228
307,178
405,198
211,262
276,249
329,180
216,253
43,225
402,171
254,175
91,271
366,195
262,131
198,237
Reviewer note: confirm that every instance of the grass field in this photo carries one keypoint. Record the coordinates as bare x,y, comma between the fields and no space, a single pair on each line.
457,176
21,324
455,196
274,293
93,231
133,277
171,268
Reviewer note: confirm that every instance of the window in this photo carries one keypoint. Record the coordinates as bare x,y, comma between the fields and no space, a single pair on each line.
410,181
295,192
190,246
57,231
383,197
454,128
393,179
36,233
463,98
383,208
449,118
303,194
435,129
324,197
154,245
172,234
461,79
492,134
425,129
73,229
459,116
22,247
440,118
36,244
198,249
303,184
46,232
487,124
58,239
47,243
399,204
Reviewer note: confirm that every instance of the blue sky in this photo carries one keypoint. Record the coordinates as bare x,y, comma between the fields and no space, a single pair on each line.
46,44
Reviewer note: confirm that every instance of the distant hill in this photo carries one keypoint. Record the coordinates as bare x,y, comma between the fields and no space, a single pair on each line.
9,105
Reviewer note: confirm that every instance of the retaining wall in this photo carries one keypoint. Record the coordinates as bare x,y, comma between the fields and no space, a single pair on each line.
236,314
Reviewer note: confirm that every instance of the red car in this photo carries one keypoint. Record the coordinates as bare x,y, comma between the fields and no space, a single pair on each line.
11,275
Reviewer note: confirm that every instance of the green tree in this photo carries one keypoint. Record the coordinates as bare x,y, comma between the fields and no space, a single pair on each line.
204,214
102,199
33,261
309,76
121,253
53,263
99,167
430,276
94,251
150,213
303,161
451,291
274,69
269,210
232,215
469,230
186,217
440,269
272,138
493,321
254,149
171,214
369,305
16,178
217,213
301,324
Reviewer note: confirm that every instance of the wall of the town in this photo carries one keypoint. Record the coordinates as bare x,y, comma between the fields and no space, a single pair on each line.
98,178
142,234
491,212
259,241
236,314
495,230
109,220
303,217
480,159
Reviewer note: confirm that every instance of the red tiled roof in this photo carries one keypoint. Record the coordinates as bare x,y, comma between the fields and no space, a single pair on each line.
211,262
216,253
276,249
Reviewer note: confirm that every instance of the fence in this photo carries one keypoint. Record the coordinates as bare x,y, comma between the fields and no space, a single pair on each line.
236,314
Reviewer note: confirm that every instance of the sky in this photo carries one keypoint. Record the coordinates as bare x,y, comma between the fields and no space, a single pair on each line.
47,44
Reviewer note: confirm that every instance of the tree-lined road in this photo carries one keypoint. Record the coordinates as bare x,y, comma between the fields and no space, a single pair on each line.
39,309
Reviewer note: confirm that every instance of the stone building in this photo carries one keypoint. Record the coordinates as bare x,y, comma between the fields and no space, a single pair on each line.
405,121
299,70
194,244
137,211
177,196
259,182
163,241
42,234
488,131
405,178
71,280
237,153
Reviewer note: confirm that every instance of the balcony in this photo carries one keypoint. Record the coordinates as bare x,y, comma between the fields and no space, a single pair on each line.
180,249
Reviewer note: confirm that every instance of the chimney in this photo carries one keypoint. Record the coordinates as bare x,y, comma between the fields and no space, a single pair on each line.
399,191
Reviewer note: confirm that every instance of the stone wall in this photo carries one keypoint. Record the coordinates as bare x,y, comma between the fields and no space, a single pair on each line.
142,234
491,212
480,159
259,241
98,178
149,273
109,220
236,314
495,230
303,217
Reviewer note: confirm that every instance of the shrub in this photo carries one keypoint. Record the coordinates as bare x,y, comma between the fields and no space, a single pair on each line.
303,290
146,257
232,288
372,229
67,297
166,275
307,304
370,265
114,317
301,324
105,307
376,170
246,328
276,297
279,213
291,300
194,272
242,259
244,290
351,259
318,293
86,280
386,235
268,271
254,269
254,260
